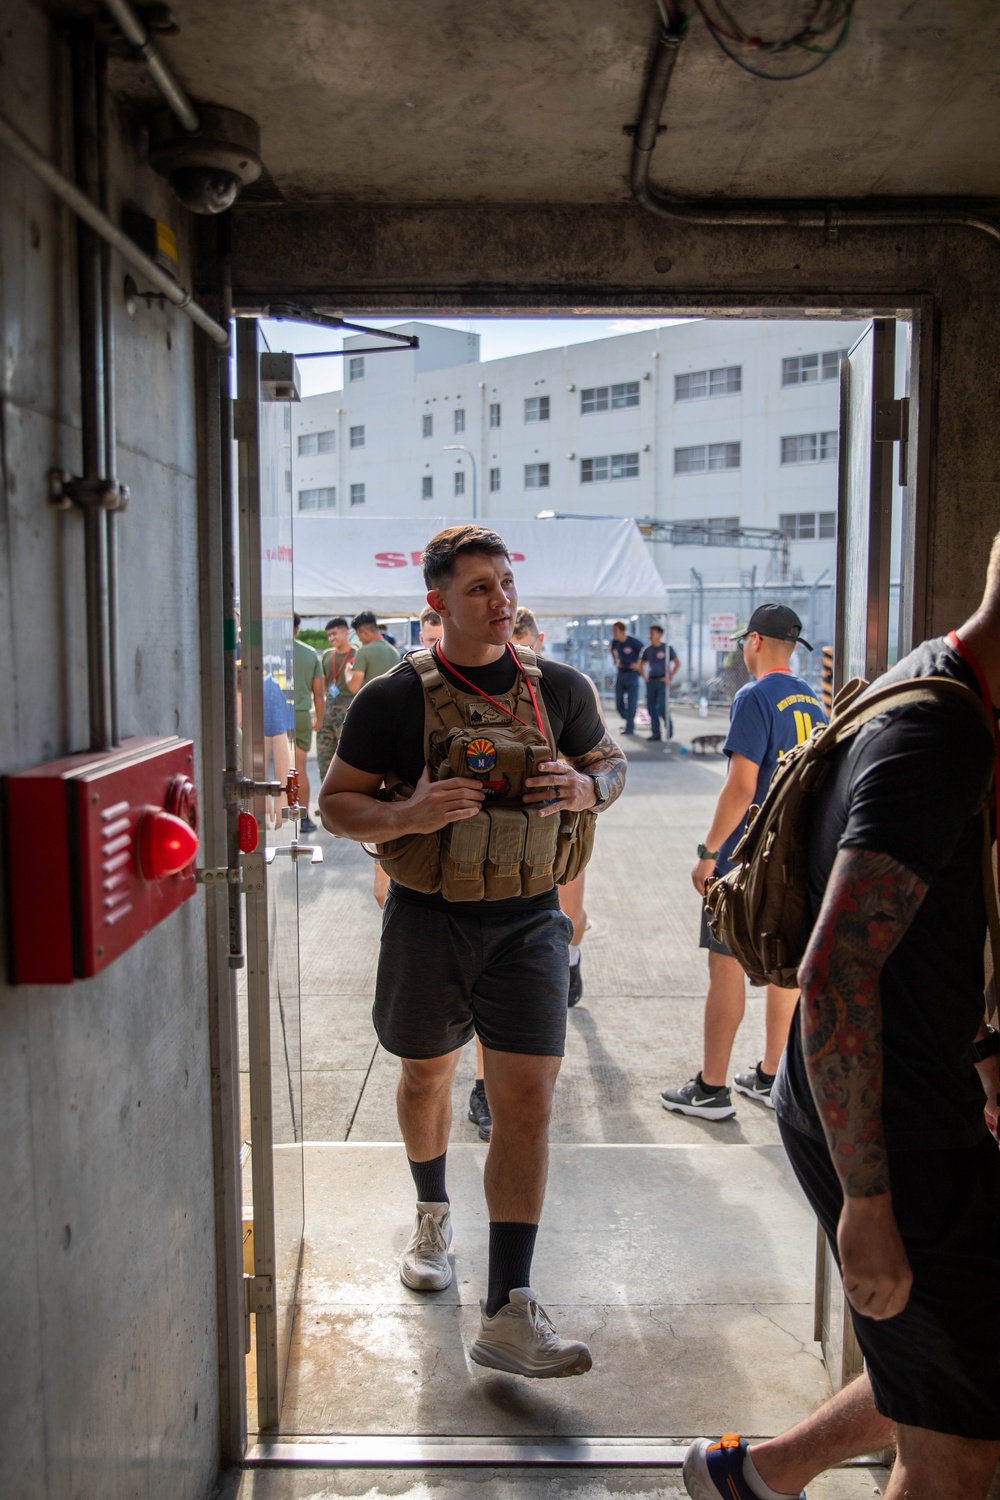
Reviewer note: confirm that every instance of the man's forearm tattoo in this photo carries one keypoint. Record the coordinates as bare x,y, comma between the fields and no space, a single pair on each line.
870,901
607,760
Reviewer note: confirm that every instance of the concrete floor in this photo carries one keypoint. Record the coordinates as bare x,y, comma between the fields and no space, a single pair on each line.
681,1250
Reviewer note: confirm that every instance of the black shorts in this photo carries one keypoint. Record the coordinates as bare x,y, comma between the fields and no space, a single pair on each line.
935,1364
446,974
706,940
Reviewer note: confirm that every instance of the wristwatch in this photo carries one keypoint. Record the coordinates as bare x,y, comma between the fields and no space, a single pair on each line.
989,1046
602,791
704,853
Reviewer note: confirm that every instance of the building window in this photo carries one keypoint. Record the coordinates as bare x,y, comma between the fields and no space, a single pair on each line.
494,481
695,533
428,424
809,526
806,369
725,381
706,458
809,448
609,397
317,442
427,488
459,418
357,494
536,409
357,437
618,466
536,476
356,367
324,499
494,413
459,482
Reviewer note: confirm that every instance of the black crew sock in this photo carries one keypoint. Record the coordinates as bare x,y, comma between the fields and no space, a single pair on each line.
767,1078
511,1249
710,1088
429,1179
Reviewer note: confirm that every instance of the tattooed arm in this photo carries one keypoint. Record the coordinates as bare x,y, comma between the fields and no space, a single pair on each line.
870,902
569,784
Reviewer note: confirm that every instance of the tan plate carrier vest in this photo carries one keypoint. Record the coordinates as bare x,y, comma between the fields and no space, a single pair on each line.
506,849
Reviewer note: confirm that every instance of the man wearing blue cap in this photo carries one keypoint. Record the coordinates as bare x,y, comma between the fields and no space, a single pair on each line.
769,716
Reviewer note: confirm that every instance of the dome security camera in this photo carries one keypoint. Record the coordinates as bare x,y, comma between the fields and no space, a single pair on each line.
209,168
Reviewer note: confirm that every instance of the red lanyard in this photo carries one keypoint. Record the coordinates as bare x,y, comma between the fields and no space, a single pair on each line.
967,656
479,692
348,656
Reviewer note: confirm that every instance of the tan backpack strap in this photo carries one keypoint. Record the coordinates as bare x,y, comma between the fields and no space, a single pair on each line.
531,669
899,695
439,701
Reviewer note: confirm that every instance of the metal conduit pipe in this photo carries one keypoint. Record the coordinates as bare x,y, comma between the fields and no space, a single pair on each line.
92,216
227,544
795,213
110,407
136,33
92,416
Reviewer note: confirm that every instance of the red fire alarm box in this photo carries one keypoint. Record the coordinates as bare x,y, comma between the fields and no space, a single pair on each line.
99,849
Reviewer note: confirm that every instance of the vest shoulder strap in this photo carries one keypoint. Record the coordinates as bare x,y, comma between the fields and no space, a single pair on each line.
439,701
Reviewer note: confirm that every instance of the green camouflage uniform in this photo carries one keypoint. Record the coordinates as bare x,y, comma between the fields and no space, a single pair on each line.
328,736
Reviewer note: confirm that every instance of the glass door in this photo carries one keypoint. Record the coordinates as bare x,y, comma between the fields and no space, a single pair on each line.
271,872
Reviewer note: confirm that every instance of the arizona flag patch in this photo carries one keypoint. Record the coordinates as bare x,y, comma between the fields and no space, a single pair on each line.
480,756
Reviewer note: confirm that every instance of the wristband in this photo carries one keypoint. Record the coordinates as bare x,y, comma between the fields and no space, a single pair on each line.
704,853
988,1046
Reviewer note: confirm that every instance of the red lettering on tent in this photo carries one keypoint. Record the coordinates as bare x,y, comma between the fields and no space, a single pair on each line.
390,560
416,558
516,556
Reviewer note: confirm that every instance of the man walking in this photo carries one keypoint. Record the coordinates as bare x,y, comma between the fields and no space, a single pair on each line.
880,1096
626,651
309,708
768,716
461,952
335,663
653,665
373,657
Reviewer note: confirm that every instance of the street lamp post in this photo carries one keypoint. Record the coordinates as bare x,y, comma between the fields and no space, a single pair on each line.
461,448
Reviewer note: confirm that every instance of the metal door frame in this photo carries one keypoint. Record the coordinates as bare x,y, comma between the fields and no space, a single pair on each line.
261,1299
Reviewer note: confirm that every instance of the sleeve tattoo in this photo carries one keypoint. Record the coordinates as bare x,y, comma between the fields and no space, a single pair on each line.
607,760
870,902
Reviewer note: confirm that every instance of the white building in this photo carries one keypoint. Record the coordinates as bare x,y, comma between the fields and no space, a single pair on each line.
723,421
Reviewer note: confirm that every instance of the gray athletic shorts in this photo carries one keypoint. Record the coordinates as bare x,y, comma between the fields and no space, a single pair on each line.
706,940
445,974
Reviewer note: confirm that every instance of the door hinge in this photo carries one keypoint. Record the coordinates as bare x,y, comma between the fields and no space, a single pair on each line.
892,425
258,1294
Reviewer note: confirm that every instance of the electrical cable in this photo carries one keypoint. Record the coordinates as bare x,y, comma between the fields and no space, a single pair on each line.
804,39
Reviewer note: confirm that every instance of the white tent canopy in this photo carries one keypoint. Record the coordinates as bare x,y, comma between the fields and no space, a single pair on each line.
600,567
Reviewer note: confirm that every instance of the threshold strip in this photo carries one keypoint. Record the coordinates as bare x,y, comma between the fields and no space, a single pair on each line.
481,1452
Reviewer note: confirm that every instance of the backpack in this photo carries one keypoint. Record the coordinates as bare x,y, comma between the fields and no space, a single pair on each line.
760,908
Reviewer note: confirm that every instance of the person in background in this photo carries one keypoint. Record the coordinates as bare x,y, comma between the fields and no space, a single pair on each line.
653,665
430,631
527,633
335,663
309,708
626,651
769,716
887,1094
373,657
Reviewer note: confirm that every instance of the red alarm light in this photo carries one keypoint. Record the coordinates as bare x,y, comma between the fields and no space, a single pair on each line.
163,844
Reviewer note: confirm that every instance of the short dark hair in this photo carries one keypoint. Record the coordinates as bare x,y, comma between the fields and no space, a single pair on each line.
337,624
364,618
429,616
442,551
296,621
653,626
619,625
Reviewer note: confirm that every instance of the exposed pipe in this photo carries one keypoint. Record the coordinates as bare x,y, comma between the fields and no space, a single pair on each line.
137,34
795,213
110,407
92,428
227,544
92,216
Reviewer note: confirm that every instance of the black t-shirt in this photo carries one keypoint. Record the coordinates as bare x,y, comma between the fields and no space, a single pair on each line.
910,785
384,730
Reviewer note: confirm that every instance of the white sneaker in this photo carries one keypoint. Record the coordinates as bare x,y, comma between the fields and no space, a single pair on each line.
424,1265
520,1339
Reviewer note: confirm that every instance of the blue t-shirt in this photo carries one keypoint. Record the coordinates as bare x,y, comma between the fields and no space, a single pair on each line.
657,658
768,717
627,652
276,713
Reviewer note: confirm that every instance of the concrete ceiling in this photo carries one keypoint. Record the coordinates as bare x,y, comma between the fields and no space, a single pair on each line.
473,101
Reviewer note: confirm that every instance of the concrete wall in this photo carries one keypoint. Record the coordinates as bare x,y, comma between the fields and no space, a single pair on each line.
454,259
108,1361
